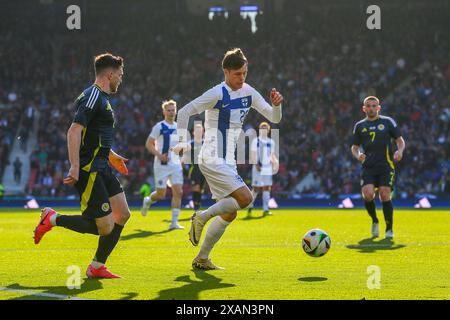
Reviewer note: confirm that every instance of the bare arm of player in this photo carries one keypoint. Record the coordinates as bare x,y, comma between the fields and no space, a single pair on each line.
275,163
73,146
272,113
118,162
150,145
398,155
186,156
357,154
254,159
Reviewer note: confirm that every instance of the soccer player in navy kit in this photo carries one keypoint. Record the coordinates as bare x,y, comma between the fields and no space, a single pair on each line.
104,208
374,136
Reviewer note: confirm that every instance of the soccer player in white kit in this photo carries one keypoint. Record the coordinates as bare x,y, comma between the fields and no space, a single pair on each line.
226,106
265,165
167,165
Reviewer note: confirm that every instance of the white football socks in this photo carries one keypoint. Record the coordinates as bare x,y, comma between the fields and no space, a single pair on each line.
266,198
96,264
213,234
175,215
53,219
254,194
223,206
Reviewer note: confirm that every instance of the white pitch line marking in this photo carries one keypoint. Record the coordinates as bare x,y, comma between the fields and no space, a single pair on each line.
42,294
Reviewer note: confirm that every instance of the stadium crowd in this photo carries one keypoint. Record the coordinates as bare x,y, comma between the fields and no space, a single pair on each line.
324,62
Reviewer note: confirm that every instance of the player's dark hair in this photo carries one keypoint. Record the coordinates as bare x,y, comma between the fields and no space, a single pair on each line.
234,59
105,61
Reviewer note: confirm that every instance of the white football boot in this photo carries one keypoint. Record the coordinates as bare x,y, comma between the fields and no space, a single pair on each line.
175,226
146,203
389,234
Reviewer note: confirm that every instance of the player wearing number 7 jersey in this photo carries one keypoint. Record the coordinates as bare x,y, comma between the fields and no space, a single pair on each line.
226,106
372,146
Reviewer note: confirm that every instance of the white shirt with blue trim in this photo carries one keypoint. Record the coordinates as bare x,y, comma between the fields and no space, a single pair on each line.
225,112
166,138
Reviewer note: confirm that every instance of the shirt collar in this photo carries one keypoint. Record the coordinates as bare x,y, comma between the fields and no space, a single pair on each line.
229,88
101,90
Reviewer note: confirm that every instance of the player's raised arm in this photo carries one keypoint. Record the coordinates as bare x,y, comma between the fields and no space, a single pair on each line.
206,101
272,113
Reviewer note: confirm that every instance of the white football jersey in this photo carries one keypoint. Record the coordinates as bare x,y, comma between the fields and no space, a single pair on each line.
225,112
166,138
264,149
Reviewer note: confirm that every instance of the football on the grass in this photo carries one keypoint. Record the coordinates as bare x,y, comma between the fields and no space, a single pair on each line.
316,243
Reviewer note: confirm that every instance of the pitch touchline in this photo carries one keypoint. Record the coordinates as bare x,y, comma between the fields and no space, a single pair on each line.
42,294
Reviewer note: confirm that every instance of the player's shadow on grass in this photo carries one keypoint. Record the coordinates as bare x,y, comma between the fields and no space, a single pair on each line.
87,286
312,279
252,217
369,245
191,290
129,296
142,234
179,220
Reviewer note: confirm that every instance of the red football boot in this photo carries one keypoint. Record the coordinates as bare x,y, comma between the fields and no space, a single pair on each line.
101,272
44,225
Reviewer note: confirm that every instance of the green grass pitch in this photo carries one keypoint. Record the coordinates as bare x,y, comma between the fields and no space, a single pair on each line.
262,256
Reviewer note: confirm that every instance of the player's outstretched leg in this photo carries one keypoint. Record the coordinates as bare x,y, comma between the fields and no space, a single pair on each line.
49,219
44,224
227,209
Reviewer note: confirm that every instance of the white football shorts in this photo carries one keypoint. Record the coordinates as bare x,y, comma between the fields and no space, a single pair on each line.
167,175
222,179
259,179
